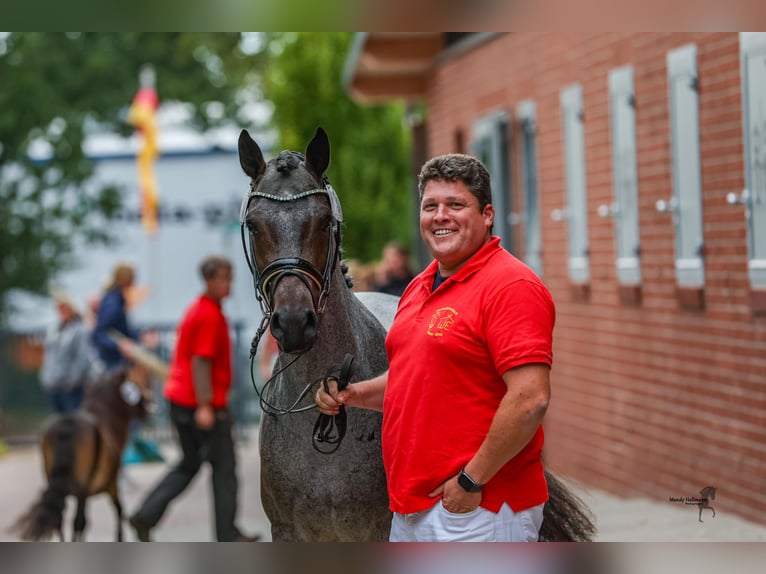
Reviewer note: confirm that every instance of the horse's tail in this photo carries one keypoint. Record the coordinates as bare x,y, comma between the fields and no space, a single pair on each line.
44,517
566,518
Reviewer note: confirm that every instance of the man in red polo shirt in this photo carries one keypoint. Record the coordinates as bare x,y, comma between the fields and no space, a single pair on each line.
198,393
468,381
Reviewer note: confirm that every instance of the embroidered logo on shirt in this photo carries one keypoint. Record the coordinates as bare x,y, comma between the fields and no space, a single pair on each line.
441,321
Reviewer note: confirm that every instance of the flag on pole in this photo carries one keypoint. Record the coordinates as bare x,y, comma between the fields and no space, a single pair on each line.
142,115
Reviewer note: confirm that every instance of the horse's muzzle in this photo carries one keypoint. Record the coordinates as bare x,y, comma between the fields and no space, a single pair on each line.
294,329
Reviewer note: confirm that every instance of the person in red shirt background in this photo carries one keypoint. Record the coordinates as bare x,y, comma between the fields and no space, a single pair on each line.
468,385
197,390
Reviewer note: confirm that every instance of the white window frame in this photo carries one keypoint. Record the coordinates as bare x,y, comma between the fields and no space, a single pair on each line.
753,60
686,202
527,116
494,131
576,211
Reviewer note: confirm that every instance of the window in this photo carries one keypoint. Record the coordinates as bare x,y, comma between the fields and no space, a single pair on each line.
491,146
531,216
753,49
686,203
624,209
577,205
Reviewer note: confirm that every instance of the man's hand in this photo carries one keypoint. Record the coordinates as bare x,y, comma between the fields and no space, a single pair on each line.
329,403
454,498
364,395
204,416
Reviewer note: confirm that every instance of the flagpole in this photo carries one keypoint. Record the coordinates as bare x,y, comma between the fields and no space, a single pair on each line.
142,115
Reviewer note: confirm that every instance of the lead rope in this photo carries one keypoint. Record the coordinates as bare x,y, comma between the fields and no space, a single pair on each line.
328,429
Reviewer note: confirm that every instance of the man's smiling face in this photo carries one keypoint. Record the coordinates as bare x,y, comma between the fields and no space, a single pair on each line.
451,224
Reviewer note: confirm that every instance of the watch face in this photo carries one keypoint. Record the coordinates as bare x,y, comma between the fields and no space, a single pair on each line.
467,482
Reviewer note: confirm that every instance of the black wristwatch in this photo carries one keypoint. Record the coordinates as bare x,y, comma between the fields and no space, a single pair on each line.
468,484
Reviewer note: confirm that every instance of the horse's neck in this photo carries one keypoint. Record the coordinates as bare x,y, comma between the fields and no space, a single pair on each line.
113,422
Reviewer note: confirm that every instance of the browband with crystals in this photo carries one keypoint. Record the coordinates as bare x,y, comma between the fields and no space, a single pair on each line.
328,190
254,193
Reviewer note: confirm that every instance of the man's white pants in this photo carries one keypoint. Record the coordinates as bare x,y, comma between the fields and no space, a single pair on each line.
437,524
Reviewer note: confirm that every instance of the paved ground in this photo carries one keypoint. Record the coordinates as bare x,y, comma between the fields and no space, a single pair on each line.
189,517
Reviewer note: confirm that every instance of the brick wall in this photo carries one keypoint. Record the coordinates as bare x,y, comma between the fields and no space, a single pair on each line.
651,399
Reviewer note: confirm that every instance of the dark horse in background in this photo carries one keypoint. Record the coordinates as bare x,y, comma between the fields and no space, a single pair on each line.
293,219
82,452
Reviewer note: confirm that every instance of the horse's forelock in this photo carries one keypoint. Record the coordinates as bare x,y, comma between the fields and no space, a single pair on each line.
287,162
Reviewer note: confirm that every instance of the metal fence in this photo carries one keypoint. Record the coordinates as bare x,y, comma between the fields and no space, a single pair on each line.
24,405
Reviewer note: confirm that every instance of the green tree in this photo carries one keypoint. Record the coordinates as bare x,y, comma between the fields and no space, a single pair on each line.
54,86
370,145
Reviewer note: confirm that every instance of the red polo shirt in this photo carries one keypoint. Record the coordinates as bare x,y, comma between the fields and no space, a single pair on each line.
448,350
203,332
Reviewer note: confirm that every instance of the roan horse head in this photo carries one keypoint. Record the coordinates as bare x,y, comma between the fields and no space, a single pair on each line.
293,220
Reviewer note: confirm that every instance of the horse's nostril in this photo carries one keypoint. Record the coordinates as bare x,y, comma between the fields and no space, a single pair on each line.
276,327
310,330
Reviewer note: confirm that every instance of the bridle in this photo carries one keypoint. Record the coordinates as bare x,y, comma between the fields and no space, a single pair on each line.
266,280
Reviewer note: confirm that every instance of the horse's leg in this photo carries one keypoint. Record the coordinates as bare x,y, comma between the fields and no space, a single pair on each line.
115,496
700,516
79,520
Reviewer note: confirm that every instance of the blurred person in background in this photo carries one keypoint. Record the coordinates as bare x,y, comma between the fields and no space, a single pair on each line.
197,390
395,272
362,274
69,358
268,356
112,315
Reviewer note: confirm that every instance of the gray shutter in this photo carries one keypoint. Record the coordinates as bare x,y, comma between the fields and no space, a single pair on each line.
687,182
491,146
531,218
576,192
625,175
753,48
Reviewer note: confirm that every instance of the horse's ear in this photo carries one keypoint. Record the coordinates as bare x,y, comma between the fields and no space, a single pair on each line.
250,156
318,154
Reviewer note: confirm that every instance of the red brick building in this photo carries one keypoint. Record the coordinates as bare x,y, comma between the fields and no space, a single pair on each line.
618,164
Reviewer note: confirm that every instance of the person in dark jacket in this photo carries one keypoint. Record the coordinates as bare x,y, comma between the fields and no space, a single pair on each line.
112,314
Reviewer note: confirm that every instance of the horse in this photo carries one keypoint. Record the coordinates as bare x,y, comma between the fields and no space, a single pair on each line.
704,501
316,319
82,453
290,221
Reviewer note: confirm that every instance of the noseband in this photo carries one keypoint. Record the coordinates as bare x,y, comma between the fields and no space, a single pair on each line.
265,281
